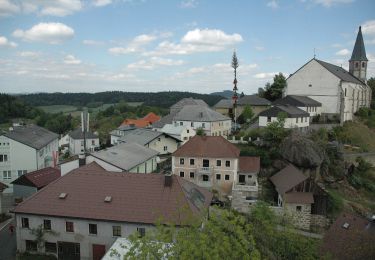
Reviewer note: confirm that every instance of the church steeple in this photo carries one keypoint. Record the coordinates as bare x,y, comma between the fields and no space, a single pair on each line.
358,61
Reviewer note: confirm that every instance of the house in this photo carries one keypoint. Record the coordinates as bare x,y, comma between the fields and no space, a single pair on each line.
31,182
146,121
201,117
158,141
77,141
309,105
64,142
183,133
126,157
120,131
245,186
295,117
174,109
24,149
151,117
350,237
85,221
341,92
2,188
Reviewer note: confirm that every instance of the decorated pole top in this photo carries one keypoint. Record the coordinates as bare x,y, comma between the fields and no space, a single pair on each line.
235,66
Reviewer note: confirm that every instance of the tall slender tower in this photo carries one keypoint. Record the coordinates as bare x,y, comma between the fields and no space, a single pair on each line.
358,61
235,96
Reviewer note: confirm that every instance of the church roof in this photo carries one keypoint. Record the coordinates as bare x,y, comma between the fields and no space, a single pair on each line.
359,52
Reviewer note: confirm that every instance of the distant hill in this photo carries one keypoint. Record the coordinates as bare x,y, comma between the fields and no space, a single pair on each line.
159,99
225,93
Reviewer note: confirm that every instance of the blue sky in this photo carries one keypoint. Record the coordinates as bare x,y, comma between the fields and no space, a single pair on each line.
182,45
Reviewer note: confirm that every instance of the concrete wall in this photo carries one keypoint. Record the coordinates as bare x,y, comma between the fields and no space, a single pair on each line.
80,235
68,166
76,145
147,167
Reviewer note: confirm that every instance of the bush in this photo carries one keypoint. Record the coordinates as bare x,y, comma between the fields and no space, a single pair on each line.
335,203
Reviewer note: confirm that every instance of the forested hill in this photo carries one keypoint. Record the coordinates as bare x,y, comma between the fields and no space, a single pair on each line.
160,99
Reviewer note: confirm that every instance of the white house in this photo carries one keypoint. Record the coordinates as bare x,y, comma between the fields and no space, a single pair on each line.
89,208
77,141
183,133
119,132
129,157
295,117
158,141
309,105
24,149
196,116
340,92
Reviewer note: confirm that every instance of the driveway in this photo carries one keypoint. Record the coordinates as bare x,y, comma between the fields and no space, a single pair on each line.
8,243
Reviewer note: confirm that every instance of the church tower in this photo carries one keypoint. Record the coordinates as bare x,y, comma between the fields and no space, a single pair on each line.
358,61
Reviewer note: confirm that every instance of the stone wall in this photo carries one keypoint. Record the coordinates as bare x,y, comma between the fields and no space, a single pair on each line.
319,221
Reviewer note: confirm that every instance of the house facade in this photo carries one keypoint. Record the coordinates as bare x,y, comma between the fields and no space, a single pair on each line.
183,133
314,108
77,141
24,149
125,204
295,117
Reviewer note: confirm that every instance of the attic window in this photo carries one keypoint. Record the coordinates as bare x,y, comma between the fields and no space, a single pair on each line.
346,225
63,195
108,199
310,85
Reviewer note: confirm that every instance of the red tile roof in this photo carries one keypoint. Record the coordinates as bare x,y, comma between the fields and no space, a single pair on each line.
151,117
140,123
208,146
137,198
38,178
2,186
249,164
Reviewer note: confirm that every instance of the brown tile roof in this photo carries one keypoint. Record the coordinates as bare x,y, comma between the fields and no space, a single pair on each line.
249,164
208,146
354,242
151,117
2,186
287,178
38,178
299,197
137,198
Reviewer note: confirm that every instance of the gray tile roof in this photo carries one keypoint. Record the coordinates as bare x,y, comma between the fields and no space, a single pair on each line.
186,101
224,103
168,119
77,134
142,136
298,101
291,111
340,72
253,100
287,178
198,113
359,52
31,135
125,155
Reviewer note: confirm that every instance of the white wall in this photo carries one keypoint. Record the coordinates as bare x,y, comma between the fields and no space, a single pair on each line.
69,166
210,128
76,145
289,122
159,143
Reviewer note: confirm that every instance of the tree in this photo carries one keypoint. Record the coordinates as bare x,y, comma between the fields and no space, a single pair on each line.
246,115
200,131
371,84
274,91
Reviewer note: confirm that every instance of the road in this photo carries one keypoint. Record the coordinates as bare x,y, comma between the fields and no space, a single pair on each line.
8,243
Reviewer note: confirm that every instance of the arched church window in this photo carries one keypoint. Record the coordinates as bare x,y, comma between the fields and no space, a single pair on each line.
363,64
356,64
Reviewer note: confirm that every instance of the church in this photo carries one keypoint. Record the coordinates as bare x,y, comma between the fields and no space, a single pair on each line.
341,92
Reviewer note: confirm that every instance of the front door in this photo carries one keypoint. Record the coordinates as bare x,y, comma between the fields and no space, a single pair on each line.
69,251
98,251
241,178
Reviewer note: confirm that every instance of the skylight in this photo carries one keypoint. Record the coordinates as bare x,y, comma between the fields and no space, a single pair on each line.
63,195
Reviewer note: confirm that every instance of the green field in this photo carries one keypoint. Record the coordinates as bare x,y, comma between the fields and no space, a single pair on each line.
58,108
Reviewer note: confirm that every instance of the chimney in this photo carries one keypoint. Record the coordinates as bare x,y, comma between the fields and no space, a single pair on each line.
168,180
81,160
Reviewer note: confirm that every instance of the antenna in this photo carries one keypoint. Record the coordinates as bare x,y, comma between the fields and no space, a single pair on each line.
314,53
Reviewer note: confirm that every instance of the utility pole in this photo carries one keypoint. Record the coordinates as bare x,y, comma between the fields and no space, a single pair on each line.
235,96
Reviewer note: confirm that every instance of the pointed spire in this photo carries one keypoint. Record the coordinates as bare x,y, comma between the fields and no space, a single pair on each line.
359,52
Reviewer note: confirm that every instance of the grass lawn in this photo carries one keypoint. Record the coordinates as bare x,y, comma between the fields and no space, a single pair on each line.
58,108
357,133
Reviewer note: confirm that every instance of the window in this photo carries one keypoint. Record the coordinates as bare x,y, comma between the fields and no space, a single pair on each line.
141,231
192,161
218,176
25,222
203,125
345,92
92,142
3,157
82,142
218,163
227,177
299,208
310,85
297,120
268,119
182,174
227,163
205,177
7,175
116,231
305,119
363,64
93,229
187,131
47,224
159,139
206,163
50,247
165,148
182,161
181,123
69,226
192,125
356,64
301,119
31,245
192,175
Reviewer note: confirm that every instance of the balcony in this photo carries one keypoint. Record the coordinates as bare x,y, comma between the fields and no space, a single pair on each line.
205,170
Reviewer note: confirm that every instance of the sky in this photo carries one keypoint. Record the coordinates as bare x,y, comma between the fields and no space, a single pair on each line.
182,45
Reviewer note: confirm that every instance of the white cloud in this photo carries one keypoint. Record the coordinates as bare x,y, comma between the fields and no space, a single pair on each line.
8,8
70,59
30,54
135,45
92,42
189,4
153,63
102,2
4,42
122,50
273,4
265,75
329,3
52,33
343,52
336,45
368,28
260,48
